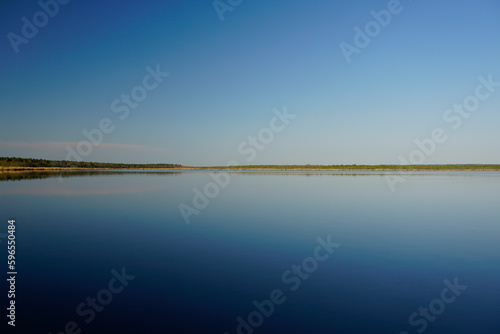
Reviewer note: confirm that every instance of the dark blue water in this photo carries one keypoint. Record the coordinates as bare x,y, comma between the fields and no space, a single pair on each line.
269,253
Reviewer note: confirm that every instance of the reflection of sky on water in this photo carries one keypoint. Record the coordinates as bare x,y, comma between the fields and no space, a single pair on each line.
396,250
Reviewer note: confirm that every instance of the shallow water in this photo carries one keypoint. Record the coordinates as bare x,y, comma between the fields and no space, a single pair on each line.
369,258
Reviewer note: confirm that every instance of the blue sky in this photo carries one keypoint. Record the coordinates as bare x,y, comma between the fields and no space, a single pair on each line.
226,77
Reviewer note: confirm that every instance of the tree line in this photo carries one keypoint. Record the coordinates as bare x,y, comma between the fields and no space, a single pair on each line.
26,162
37,163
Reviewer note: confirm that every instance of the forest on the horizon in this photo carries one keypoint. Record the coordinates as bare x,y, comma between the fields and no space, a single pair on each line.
13,162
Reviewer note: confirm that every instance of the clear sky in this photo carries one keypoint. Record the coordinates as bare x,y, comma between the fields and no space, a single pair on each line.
225,77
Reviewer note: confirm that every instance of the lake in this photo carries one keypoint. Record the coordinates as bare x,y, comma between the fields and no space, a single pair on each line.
257,252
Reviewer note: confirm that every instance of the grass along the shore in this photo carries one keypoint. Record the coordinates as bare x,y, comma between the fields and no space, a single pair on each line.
8,164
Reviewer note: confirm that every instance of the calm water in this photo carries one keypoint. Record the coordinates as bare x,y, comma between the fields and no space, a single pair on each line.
369,258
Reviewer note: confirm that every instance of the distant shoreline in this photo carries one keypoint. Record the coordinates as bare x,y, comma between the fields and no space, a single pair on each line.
14,164
360,168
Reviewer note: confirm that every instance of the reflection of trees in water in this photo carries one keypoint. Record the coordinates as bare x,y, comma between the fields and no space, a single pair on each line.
23,175
31,175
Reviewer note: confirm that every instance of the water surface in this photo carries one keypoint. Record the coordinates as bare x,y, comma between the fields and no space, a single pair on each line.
395,251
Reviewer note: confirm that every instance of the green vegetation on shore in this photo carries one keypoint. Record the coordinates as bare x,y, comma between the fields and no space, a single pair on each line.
469,167
6,162
40,164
